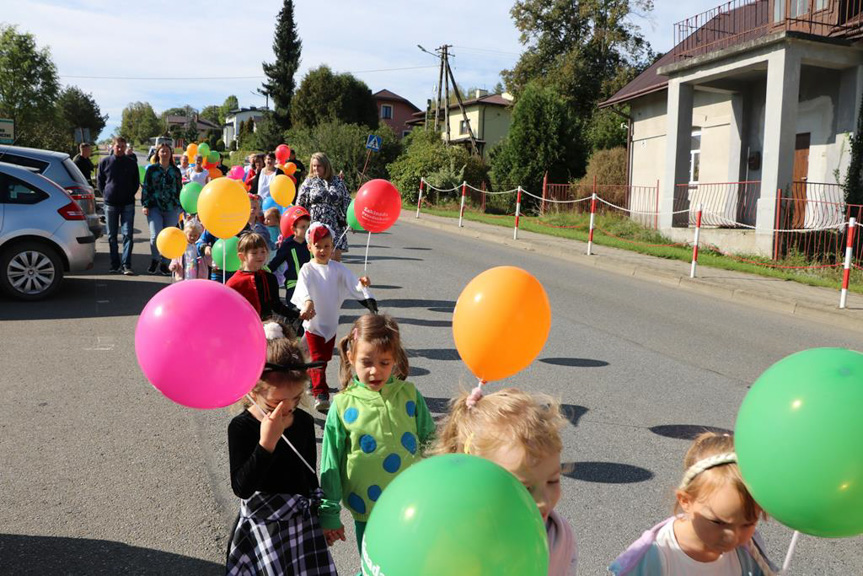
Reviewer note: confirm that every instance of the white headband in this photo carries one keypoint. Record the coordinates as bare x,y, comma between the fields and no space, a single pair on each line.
273,331
706,464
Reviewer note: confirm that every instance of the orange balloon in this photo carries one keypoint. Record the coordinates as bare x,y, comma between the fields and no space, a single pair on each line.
290,168
214,173
191,152
501,322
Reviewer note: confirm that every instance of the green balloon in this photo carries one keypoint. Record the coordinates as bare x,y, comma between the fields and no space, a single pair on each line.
141,171
203,150
352,219
455,514
213,157
799,442
189,197
232,263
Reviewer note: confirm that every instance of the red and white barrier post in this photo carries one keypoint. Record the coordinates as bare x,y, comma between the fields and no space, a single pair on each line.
420,199
517,214
461,210
695,242
592,220
849,253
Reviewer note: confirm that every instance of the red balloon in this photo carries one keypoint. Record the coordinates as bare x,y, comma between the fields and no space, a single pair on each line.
283,152
377,205
292,177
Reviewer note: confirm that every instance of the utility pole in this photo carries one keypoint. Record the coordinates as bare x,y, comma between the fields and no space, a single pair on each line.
445,75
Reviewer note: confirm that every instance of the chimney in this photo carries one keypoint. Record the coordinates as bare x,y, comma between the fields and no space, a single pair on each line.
480,93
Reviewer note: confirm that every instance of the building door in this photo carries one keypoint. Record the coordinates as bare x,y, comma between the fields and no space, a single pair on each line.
799,174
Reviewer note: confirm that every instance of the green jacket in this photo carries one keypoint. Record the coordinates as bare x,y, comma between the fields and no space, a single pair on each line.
369,438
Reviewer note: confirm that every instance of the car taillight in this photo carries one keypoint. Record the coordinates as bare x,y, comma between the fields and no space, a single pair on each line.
84,196
71,211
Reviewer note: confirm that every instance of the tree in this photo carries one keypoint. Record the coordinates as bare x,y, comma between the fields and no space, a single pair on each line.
268,134
28,84
139,123
230,103
587,50
211,113
543,137
324,96
280,82
79,110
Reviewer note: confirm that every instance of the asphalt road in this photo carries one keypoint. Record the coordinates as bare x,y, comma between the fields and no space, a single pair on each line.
102,475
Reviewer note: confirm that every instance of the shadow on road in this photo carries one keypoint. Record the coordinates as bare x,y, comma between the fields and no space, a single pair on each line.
606,472
415,371
573,412
574,362
437,405
56,555
91,295
433,353
359,259
685,431
416,248
416,303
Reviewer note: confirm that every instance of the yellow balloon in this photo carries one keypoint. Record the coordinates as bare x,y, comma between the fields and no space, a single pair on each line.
224,207
283,190
171,242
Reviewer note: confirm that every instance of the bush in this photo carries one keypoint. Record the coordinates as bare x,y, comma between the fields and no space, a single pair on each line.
220,145
609,168
426,156
345,146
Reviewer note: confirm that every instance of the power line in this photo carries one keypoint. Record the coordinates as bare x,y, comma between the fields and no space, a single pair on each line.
486,50
261,77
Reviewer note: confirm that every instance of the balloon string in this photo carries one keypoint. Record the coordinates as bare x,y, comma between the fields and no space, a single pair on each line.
342,236
224,261
791,547
265,413
366,263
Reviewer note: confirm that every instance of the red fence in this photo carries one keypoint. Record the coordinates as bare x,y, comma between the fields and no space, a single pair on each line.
814,229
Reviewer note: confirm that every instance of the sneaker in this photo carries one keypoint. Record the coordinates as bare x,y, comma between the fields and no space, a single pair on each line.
322,403
128,271
154,267
164,270
114,270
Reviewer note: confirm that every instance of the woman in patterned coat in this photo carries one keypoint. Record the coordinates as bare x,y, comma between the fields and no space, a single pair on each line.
327,199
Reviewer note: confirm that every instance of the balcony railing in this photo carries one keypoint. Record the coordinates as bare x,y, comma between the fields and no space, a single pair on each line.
739,21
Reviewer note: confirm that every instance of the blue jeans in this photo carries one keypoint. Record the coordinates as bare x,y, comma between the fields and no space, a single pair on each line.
122,218
157,220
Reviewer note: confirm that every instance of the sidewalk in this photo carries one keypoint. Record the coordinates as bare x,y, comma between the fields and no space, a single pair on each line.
787,297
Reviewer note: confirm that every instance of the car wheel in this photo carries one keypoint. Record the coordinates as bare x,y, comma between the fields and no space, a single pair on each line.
30,270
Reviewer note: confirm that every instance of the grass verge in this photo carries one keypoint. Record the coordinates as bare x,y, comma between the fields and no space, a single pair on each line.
626,234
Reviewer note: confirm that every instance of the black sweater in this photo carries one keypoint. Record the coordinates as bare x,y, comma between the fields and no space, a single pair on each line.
254,469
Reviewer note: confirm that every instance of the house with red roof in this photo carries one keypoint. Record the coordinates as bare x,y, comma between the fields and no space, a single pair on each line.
395,111
749,117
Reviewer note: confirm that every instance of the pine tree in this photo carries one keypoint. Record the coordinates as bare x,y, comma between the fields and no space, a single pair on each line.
280,82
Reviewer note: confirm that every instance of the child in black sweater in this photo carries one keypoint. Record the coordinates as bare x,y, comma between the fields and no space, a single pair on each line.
272,455
257,285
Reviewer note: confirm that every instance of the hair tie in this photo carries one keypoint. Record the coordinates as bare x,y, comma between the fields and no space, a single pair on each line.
273,331
475,395
706,464
355,335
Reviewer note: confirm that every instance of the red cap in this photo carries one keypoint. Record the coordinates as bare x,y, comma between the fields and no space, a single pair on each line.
318,232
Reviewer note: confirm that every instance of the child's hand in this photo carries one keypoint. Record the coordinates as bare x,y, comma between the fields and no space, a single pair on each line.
274,424
308,310
208,251
333,535
364,280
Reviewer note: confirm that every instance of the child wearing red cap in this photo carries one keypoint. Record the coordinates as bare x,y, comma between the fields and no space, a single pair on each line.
293,251
322,287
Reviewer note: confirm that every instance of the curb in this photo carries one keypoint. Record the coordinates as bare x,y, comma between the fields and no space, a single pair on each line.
775,303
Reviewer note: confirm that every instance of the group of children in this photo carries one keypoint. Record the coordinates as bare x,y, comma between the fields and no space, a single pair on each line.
379,424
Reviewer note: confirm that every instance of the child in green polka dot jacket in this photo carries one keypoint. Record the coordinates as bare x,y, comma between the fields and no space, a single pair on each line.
377,427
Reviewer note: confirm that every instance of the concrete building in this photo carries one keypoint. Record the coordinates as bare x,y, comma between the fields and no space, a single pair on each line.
202,125
490,116
231,127
749,113
395,111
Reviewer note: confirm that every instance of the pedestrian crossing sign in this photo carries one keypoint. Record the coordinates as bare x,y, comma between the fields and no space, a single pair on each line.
373,143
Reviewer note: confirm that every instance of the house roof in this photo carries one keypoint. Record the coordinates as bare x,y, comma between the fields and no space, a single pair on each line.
393,97
645,83
171,119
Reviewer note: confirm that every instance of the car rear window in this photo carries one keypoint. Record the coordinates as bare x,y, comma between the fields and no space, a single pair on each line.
74,172
14,191
39,165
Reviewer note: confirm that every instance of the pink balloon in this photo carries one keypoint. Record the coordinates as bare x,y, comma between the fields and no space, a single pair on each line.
377,205
201,344
236,173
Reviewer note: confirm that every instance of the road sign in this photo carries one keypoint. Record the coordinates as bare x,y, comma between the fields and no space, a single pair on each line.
7,131
374,143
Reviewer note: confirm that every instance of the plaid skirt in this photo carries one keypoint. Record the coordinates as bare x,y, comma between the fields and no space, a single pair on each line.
278,534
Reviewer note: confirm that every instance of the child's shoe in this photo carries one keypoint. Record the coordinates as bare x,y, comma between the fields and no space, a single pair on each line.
322,403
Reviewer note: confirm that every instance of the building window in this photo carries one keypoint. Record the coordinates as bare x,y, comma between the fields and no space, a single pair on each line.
405,133
820,4
695,156
462,127
386,111
779,10
799,7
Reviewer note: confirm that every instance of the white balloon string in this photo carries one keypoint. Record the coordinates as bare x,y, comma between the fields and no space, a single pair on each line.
366,263
791,547
291,446
342,236
224,261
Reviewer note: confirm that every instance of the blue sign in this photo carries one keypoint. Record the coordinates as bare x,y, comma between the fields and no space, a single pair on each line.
374,143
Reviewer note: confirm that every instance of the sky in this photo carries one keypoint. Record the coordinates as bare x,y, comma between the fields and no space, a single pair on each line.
161,53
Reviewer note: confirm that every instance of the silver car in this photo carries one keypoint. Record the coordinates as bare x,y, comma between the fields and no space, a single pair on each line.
57,166
43,233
